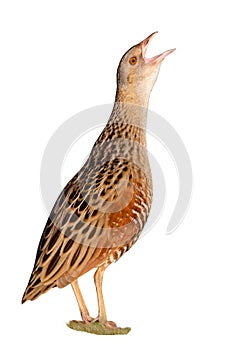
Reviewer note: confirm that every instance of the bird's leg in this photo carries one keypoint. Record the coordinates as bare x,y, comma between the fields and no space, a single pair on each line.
102,316
98,278
81,303
99,325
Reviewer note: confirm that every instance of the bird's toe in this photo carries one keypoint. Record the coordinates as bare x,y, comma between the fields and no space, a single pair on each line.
87,318
110,324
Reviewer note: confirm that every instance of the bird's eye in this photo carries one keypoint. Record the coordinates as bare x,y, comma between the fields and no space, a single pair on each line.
133,60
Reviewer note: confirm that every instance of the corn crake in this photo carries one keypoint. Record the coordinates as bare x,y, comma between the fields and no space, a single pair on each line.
102,210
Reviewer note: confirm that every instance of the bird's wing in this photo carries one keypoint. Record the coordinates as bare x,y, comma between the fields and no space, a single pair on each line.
74,230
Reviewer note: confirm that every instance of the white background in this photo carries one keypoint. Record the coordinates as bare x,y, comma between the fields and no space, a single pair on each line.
60,57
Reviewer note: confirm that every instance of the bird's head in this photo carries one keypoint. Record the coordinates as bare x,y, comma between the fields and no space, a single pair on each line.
137,74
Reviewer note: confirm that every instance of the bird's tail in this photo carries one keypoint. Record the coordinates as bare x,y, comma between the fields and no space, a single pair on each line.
35,288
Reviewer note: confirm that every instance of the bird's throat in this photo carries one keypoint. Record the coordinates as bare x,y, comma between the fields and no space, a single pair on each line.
139,97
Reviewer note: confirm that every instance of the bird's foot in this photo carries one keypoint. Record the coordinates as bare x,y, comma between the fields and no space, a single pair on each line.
106,323
97,326
87,318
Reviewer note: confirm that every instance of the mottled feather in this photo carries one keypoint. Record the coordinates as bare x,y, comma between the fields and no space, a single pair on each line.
100,212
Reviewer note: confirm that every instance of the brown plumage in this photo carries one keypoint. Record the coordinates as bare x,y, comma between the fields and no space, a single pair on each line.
102,210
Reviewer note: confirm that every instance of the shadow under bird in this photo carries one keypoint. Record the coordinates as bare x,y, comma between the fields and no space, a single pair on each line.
102,210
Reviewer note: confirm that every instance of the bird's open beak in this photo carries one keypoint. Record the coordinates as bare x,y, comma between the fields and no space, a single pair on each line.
159,58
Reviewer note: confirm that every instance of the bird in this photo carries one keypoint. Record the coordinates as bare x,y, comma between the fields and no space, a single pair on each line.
102,210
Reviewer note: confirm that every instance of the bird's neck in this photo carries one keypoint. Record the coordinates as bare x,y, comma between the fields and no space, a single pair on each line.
134,95
130,109
125,131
